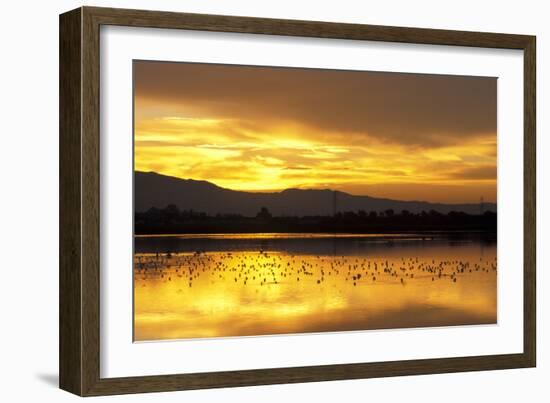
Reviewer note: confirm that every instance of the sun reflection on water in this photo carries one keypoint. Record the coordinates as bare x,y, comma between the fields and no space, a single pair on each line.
241,293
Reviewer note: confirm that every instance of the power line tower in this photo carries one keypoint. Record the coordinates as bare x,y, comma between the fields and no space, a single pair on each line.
481,207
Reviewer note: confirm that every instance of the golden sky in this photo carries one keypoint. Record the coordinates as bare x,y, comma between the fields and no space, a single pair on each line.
401,136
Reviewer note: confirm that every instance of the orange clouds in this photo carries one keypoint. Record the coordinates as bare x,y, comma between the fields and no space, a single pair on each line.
216,126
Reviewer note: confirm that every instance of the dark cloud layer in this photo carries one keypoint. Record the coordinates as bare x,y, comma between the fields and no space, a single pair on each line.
425,110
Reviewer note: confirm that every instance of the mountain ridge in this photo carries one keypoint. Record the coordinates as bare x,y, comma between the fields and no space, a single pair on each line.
152,189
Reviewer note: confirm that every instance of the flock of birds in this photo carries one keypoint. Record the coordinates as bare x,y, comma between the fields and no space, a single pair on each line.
265,268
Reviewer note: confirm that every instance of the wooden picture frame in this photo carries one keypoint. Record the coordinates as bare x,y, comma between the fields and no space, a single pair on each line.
79,348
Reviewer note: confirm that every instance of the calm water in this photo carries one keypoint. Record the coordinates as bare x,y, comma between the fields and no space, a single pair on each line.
256,284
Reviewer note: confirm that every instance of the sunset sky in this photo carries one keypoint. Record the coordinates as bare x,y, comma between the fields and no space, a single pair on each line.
401,136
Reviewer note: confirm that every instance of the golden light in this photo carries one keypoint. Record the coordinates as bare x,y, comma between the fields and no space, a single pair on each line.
228,144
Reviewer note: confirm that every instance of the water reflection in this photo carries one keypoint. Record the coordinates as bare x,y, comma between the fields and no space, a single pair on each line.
212,286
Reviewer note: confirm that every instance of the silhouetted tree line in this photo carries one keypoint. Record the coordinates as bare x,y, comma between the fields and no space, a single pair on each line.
171,219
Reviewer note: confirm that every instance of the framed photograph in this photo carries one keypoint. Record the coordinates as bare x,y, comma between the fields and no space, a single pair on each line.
249,201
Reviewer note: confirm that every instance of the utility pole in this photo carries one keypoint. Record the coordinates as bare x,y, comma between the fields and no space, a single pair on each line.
481,205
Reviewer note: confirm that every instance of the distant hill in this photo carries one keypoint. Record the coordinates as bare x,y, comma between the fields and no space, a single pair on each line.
155,190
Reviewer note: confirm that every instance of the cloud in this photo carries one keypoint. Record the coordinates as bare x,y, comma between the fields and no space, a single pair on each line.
384,134
413,109
480,172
